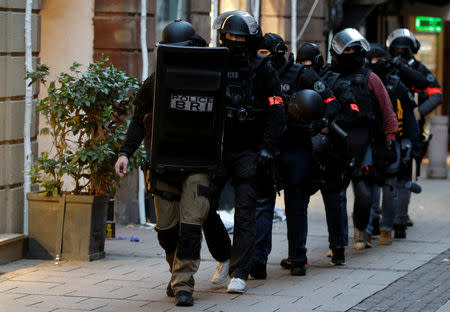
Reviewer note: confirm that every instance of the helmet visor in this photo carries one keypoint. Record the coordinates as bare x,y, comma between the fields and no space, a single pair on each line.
346,38
249,20
399,33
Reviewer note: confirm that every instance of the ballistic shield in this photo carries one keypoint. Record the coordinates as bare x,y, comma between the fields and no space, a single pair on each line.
188,108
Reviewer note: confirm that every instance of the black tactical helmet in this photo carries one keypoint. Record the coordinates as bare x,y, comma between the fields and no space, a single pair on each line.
306,105
237,23
274,43
349,38
381,67
179,32
402,38
377,50
310,51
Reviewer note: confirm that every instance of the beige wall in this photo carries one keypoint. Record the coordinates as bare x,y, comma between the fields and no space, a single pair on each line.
67,34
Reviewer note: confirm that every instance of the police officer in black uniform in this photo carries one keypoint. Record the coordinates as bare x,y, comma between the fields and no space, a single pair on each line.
179,33
253,127
372,141
408,138
402,46
337,175
296,161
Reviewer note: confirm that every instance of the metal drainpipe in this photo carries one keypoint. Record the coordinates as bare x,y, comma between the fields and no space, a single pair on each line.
144,51
330,38
214,14
294,27
28,157
256,10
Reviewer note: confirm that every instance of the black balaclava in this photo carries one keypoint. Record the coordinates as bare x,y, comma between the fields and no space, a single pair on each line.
238,49
311,52
405,54
382,67
347,63
275,44
405,44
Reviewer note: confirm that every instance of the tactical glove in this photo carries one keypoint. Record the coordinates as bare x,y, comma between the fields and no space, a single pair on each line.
399,62
390,153
265,158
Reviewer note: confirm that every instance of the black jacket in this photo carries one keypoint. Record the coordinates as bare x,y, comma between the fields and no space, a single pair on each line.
264,101
143,107
403,104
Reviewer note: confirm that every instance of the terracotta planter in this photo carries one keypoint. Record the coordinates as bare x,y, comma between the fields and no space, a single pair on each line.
71,226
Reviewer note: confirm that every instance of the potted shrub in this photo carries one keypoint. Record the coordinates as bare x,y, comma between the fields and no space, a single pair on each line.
86,115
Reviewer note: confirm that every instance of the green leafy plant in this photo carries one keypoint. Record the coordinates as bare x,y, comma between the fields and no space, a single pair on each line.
86,112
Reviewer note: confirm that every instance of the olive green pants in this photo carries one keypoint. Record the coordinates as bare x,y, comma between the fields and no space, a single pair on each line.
184,217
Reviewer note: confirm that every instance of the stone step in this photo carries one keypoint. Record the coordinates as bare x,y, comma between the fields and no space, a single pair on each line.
11,247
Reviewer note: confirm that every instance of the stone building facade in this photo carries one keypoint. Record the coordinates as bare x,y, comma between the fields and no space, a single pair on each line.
67,30
12,108
116,28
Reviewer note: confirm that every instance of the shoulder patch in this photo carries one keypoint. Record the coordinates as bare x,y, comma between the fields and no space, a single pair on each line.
319,86
285,87
430,77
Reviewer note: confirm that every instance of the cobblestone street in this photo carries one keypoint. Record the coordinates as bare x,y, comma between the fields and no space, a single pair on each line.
409,275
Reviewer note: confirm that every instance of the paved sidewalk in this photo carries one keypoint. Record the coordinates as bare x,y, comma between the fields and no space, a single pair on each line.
133,276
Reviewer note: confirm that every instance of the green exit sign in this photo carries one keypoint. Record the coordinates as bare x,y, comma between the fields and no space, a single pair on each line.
429,24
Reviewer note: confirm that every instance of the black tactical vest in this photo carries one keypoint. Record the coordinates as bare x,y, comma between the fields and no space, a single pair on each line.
288,74
330,78
244,112
366,99
392,83
240,83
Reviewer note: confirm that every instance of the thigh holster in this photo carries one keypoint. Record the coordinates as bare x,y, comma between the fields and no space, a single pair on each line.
189,242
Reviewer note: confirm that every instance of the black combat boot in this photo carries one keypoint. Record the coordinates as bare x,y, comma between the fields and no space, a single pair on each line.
400,230
184,299
258,271
298,269
337,256
286,263
409,222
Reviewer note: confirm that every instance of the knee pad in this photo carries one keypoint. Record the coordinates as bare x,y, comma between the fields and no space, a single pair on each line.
168,238
189,242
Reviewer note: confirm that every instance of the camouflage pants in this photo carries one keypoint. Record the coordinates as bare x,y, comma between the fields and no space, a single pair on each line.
178,223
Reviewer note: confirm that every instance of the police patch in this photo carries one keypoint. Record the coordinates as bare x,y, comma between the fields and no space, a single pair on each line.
319,86
411,97
285,87
430,77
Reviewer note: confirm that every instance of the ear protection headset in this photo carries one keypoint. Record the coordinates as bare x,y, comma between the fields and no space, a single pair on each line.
278,46
318,58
